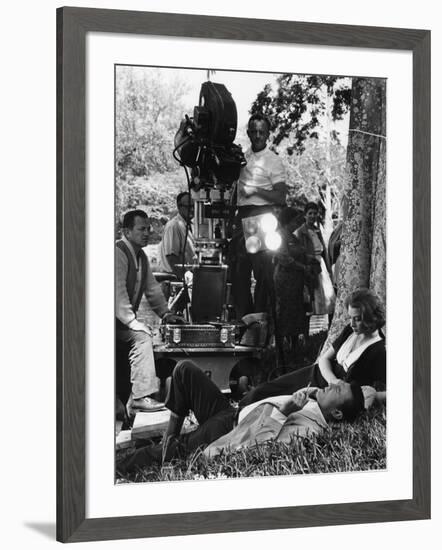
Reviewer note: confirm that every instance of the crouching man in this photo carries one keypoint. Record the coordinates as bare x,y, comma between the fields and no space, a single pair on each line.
280,418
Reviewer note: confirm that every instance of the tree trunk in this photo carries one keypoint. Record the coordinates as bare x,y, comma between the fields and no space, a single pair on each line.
328,222
363,247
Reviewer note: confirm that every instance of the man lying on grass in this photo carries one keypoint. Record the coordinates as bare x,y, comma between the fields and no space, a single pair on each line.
281,418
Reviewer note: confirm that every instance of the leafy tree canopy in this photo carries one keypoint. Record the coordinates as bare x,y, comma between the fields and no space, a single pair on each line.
156,194
308,174
299,104
149,108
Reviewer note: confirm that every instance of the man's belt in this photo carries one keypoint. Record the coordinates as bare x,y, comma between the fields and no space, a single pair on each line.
249,210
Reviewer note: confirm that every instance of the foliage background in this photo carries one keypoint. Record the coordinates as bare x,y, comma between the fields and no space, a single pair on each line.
309,119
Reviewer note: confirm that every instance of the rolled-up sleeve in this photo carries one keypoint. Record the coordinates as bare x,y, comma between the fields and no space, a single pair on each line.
123,308
172,240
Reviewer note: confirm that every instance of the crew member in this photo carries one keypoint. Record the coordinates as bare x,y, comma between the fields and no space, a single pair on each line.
261,187
133,279
178,237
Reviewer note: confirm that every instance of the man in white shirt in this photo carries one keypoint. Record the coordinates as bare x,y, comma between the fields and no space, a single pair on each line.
261,188
178,238
134,279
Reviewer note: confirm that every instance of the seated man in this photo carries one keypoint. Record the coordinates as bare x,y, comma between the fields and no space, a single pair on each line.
133,279
299,415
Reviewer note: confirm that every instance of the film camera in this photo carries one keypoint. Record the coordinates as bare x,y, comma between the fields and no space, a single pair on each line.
204,143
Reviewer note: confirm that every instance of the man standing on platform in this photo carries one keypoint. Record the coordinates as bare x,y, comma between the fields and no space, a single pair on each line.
261,188
133,279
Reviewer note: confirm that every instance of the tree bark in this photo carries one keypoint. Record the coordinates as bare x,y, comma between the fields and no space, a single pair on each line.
363,247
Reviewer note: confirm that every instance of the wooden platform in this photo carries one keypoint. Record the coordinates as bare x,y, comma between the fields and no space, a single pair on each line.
124,440
153,424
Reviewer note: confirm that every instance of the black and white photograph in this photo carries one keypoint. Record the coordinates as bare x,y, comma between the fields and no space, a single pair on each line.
217,221
250,274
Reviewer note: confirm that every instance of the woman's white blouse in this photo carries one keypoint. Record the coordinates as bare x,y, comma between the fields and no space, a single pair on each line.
348,354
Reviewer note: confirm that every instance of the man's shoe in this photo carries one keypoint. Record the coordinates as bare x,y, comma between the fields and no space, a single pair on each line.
143,404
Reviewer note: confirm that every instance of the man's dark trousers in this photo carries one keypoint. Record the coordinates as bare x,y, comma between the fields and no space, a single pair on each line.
190,390
244,263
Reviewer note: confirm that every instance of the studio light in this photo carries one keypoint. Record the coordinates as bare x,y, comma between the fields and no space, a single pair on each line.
253,244
253,227
273,241
260,233
269,223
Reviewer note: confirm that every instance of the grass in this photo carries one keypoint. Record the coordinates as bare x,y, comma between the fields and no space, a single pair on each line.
344,447
360,446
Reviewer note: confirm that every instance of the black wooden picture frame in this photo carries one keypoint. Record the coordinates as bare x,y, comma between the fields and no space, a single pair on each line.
73,24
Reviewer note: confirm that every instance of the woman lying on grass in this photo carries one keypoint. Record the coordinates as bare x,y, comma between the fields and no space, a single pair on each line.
282,419
358,354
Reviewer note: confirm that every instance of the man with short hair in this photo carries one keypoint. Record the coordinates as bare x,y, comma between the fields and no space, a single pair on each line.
133,279
178,237
282,418
261,188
